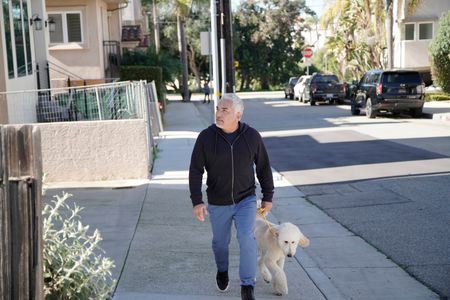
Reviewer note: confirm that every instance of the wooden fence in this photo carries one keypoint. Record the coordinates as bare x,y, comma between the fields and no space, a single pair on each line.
20,213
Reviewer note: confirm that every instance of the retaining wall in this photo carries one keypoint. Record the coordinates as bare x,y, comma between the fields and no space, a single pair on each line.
95,151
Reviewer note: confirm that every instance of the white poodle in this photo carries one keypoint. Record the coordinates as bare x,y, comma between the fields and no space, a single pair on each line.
275,242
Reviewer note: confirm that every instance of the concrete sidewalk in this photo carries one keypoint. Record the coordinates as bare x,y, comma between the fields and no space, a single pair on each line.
163,252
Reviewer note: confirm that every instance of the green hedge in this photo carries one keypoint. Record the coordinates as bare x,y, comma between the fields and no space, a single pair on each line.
146,73
440,54
437,96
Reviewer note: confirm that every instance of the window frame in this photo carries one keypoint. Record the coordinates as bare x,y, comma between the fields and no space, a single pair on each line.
418,31
414,33
65,32
10,41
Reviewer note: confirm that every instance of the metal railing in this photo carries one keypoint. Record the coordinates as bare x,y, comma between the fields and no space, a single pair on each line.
119,100
112,57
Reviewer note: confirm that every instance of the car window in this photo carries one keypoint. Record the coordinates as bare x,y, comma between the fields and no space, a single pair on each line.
402,77
374,78
366,79
293,80
326,78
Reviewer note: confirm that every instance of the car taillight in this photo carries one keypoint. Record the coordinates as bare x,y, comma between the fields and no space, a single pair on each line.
379,88
344,88
313,88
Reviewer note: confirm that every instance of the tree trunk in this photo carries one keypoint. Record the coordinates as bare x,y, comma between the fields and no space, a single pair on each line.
248,81
183,57
156,26
193,67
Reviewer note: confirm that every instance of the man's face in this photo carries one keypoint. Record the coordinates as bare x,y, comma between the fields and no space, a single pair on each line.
226,117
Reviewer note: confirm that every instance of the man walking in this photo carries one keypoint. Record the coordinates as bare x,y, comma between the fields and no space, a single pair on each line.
228,150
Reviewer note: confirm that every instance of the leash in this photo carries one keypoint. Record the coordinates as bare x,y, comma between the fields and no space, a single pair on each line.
261,212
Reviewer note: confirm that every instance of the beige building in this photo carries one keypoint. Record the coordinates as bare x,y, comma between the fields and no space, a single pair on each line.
54,43
413,33
85,44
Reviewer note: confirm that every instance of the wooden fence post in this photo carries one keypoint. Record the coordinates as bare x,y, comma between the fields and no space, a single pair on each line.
21,244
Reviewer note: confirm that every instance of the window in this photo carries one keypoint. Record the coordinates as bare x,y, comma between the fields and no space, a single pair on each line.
425,31
409,32
374,78
67,28
17,38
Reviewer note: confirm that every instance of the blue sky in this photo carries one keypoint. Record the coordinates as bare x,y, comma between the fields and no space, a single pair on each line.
316,5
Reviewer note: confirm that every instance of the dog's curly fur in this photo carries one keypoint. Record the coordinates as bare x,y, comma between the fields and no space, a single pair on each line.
275,243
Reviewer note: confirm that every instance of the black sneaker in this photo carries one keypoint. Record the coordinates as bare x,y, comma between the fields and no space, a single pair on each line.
247,292
222,281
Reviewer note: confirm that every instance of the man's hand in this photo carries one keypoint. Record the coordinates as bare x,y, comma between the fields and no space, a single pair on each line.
200,211
267,206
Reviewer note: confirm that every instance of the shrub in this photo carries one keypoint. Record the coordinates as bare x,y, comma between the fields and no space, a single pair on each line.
437,97
74,267
145,73
440,54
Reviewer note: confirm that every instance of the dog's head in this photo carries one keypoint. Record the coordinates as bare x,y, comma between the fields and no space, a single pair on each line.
289,237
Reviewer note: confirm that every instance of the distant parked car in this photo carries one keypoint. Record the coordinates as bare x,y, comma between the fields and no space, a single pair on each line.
289,88
326,87
299,88
389,91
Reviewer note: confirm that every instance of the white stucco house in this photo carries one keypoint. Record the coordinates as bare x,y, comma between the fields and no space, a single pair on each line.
412,34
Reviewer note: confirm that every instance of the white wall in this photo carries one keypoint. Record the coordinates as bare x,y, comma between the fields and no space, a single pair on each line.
95,151
414,54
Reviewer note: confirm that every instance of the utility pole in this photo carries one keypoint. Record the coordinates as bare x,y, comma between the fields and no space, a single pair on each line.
229,49
183,54
223,61
222,49
214,54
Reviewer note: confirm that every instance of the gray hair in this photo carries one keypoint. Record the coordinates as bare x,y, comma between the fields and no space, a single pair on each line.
238,105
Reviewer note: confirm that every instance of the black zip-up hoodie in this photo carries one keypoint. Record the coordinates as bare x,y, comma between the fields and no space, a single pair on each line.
230,167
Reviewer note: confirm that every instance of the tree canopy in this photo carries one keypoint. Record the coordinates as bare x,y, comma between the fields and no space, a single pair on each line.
268,41
440,54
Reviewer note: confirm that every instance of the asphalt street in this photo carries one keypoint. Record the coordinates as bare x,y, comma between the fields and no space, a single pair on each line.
386,180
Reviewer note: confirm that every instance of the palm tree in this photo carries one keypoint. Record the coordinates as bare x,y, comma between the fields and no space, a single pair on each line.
358,35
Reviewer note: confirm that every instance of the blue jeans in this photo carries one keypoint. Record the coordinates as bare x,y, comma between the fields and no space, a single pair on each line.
243,214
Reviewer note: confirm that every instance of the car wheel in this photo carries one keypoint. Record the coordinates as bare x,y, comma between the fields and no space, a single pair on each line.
370,112
302,99
285,95
291,96
355,111
312,102
416,112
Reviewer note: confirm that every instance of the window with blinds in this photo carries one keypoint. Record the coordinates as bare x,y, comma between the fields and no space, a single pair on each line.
74,27
68,27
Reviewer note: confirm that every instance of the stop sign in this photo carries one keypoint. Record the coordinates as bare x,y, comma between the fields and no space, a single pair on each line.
307,52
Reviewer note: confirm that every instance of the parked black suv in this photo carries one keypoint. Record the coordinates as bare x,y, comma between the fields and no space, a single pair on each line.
389,91
289,88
